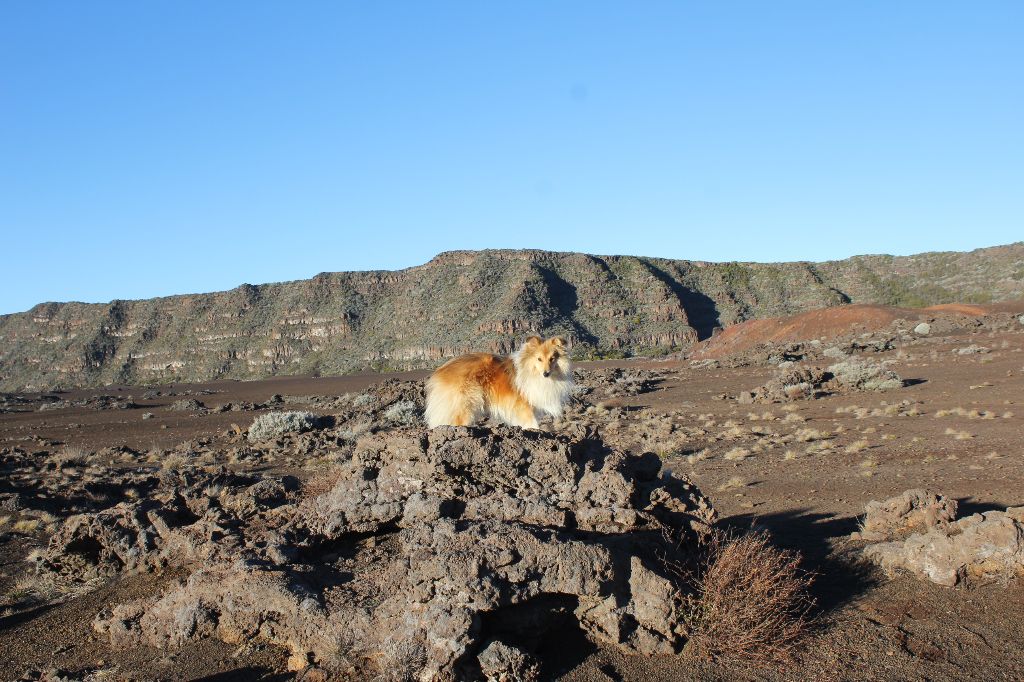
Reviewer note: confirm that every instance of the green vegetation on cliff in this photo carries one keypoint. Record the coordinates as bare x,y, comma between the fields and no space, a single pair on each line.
609,306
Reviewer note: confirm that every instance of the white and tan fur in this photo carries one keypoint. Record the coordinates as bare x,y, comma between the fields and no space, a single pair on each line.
535,381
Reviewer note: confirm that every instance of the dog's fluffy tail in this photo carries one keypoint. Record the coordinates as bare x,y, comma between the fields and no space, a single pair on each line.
451,404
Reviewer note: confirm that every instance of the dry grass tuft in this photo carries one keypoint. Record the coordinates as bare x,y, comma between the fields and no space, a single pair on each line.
809,435
321,482
698,456
734,432
959,435
733,483
173,461
969,414
737,454
857,446
816,448
751,601
71,457
29,589
27,526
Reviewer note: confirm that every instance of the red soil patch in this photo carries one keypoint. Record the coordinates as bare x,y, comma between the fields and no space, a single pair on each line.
829,323
815,324
961,308
976,310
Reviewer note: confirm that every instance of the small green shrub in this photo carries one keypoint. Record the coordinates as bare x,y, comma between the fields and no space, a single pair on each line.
404,412
274,424
584,353
861,374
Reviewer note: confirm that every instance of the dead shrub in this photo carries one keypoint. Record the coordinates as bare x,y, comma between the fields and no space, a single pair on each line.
322,481
751,600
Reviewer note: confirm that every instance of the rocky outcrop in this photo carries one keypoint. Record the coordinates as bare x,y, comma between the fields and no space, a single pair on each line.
805,382
980,548
458,302
912,511
440,553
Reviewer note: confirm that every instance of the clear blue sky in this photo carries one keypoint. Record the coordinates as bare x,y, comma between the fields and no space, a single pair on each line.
151,148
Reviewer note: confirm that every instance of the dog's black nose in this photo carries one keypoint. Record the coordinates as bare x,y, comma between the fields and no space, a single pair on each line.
547,374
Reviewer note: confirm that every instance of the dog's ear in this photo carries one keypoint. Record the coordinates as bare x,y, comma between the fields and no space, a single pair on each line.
531,342
557,342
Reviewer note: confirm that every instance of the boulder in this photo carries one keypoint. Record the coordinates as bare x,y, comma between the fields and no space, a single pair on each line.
909,512
981,548
920,534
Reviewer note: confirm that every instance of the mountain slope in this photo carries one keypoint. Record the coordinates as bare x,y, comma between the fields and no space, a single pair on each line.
460,301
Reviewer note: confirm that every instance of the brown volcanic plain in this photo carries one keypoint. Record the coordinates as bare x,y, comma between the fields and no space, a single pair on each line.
803,470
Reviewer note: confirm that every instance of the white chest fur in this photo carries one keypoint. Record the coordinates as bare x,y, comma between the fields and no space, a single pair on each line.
547,395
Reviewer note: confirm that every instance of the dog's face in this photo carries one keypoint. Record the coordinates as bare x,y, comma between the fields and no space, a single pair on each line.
545,357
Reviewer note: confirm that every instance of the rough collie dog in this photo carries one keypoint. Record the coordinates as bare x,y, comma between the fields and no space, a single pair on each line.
535,381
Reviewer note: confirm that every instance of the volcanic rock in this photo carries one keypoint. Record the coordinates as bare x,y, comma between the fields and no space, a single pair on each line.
426,543
909,512
980,548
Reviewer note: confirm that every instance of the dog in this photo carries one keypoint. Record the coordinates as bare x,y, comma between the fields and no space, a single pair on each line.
535,381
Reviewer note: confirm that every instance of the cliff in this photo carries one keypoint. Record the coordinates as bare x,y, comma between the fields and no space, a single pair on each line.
461,301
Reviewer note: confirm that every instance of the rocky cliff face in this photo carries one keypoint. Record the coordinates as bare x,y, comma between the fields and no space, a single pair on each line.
461,301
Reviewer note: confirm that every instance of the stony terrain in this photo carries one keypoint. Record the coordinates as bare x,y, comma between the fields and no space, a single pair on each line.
608,306
983,547
311,528
529,524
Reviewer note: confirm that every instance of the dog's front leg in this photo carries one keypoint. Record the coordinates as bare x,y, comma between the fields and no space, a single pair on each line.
525,417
